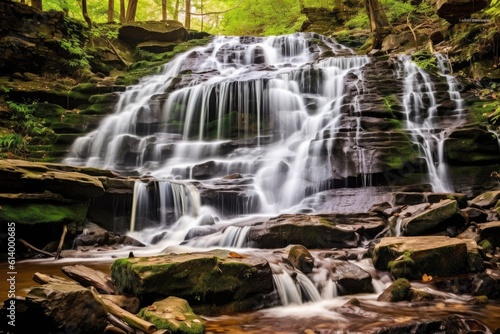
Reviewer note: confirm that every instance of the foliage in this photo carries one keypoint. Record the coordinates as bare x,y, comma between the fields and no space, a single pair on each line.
262,17
25,123
425,61
12,142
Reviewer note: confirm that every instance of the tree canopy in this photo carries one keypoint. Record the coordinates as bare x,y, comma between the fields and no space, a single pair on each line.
246,17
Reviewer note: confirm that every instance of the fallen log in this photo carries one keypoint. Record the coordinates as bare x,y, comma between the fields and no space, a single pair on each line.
131,319
117,323
30,246
61,242
90,277
46,279
130,304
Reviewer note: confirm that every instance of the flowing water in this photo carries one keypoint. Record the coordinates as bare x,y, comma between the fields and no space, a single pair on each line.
253,128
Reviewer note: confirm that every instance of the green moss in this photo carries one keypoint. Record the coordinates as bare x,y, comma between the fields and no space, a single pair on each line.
401,155
99,109
486,245
399,290
104,98
36,213
482,111
404,267
426,61
391,102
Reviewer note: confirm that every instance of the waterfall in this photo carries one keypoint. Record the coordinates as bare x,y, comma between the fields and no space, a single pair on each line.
445,70
293,286
420,107
259,125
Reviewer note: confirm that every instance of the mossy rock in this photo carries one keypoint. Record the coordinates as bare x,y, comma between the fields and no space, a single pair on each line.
173,314
432,255
105,98
212,282
431,219
40,213
99,109
66,138
398,291
44,110
486,200
301,258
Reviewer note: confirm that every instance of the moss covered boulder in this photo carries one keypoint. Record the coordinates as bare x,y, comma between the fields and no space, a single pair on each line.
301,258
212,282
398,291
432,218
173,314
486,200
432,255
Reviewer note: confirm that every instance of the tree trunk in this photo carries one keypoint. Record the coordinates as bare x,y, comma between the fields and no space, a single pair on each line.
88,20
379,25
187,21
202,16
122,11
111,11
164,10
131,10
36,4
176,10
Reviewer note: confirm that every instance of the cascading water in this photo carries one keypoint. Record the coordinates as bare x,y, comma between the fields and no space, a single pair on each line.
421,120
444,67
263,108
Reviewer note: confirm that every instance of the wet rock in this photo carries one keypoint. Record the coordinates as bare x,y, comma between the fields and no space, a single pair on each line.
417,295
454,324
161,31
491,232
61,308
475,215
471,146
312,231
434,255
408,198
301,259
213,282
173,314
486,200
487,284
351,278
398,291
433,218
94,235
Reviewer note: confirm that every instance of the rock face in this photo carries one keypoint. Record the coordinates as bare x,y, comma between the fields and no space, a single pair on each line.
213,282
173,314
31,39
436,256
454,10
147,31
60,308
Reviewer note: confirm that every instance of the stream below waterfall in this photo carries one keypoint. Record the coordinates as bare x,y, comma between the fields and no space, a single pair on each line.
248,128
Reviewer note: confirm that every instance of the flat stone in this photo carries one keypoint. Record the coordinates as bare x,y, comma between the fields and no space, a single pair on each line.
486,200
433,255
491,232
430,219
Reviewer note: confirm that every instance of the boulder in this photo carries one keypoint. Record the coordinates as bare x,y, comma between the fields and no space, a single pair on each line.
454,324
212,282
161,31
433,255
312,231
454,10
399,290
173,314
433,218
57,308
491,232
351,278
486,200
301,258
